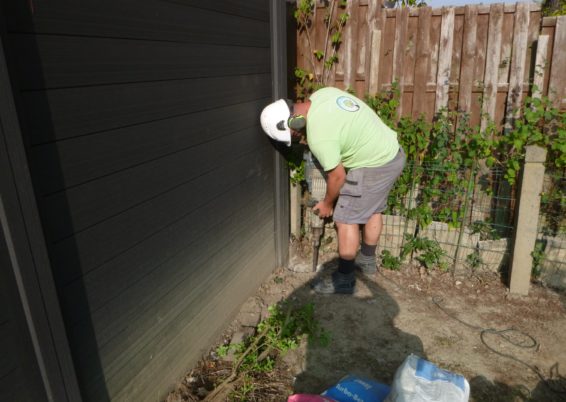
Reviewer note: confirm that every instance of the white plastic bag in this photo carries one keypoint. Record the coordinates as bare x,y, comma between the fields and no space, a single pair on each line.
418,380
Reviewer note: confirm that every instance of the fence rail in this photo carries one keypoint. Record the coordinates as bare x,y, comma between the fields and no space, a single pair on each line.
479,59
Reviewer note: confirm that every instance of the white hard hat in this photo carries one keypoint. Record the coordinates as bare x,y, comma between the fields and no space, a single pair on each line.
274,121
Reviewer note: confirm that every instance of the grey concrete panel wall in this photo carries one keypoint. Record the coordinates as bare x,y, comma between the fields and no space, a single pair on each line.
154,182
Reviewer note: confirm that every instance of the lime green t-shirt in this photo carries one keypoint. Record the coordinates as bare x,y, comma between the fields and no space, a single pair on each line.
342,128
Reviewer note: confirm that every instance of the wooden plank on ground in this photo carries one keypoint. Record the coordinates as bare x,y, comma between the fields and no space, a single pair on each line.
492,63
557,83
422,61
444,58
520,36
468,60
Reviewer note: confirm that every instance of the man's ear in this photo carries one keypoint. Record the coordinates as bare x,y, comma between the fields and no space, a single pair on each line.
297,123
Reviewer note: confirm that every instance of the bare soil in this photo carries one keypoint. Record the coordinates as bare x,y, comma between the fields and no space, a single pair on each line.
396,313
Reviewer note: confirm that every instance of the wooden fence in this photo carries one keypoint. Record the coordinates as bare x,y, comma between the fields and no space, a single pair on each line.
475,58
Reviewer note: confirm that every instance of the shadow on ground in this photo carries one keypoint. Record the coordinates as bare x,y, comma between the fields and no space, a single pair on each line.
364,341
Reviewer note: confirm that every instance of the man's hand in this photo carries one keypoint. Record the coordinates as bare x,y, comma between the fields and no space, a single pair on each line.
323,210
335,179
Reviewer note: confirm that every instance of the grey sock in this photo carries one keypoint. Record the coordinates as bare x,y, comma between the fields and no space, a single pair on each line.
368,250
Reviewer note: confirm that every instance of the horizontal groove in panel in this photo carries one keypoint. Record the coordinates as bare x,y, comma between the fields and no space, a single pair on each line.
194,337
64,61
81,207
105,286
74,161
190,297
65,113
165,345
124,327
89,249
257,9
155,20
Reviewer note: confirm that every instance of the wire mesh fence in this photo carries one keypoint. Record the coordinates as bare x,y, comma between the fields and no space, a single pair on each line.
462,220
549,255
456,220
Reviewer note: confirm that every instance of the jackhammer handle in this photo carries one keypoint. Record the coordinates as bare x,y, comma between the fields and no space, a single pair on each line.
311,203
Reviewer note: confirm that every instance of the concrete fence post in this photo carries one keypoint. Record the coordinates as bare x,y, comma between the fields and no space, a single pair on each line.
526,222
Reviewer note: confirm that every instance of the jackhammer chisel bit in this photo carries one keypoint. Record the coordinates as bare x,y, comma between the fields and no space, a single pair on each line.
316,182
317,224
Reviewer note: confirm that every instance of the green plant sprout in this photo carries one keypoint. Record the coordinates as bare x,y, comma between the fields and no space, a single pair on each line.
283,330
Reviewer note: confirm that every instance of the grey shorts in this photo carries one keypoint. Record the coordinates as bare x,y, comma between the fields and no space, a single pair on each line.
366,190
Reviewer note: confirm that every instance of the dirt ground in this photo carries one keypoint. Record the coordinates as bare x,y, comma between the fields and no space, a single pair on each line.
396,313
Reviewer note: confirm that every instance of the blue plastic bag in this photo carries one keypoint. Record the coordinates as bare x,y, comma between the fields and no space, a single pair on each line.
357,389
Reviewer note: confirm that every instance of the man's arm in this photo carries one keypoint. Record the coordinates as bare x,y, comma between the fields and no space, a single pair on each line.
335,179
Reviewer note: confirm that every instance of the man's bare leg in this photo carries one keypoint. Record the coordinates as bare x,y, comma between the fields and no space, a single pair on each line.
372,230
348,240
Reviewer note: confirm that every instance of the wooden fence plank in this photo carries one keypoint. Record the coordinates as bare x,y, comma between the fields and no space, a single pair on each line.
492,62
319,40
422,61
364,41
401,26
373,22
444,58
456,63
410,51
506,48
337,67
373,71
350,55
540,63
468,58
387,46
435,25
557,83
534,32
481,47
520,35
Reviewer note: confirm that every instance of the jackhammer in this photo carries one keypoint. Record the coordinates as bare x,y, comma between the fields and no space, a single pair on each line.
316,182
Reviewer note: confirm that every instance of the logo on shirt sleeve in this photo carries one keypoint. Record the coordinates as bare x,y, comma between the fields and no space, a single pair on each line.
348,104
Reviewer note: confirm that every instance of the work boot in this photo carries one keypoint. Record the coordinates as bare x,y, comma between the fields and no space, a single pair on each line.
336,283
367,264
